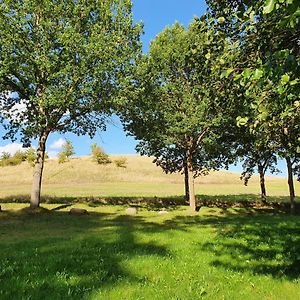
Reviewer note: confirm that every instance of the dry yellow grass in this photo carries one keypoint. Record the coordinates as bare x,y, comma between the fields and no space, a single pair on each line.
83,177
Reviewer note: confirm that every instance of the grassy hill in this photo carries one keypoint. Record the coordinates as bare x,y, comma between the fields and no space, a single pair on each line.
81,177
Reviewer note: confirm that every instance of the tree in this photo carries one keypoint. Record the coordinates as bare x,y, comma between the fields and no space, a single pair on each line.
61,66
257,156
269,36
67,152
178,109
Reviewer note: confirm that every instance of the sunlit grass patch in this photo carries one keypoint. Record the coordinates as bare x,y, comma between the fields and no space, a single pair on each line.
179,255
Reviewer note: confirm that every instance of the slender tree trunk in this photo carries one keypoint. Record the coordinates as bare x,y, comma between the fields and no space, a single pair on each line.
186,181
262,183
291,183
38,172
190,170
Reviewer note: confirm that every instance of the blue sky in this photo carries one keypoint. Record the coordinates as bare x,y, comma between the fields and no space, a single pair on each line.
156,15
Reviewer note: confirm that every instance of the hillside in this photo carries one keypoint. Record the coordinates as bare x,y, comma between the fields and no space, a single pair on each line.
81,177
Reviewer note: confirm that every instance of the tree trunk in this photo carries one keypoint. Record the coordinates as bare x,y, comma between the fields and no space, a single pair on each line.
186,181
262,183
38,172
190,170
291,183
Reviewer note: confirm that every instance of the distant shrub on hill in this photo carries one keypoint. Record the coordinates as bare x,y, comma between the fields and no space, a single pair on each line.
31,156
12,160
99,155
28,155
121,162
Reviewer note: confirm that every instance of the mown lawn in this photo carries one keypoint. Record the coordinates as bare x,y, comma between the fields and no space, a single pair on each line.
215,254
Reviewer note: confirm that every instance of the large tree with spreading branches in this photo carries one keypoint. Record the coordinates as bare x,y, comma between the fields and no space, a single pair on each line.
62,64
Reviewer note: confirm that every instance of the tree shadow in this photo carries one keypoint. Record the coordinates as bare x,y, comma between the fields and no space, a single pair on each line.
69,257
265,243
171,203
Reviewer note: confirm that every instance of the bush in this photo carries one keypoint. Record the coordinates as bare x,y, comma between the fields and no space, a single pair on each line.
11,161
5,155
99,155
16,159
31,156
20,155
62,158
121,162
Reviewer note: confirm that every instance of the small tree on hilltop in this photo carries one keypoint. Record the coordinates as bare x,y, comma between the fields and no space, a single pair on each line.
66,153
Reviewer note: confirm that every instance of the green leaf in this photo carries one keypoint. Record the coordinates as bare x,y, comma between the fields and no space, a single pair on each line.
242,121
269,6
247,73
295,81
285,78
257,74
226,73
207,56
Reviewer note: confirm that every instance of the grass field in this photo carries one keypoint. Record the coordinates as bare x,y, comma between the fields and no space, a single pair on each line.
141,178
236,254
218,253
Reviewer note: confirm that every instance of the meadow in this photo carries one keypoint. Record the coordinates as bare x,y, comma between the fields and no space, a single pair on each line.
81,177
217,253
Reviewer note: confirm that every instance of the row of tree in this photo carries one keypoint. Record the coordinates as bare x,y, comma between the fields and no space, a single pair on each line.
225,88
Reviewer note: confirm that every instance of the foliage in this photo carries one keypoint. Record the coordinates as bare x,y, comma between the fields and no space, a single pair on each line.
12,160
269,71
68,149
62,158
66,153
5,155
121,162
99,155
181,101
31,156
62,66
61,62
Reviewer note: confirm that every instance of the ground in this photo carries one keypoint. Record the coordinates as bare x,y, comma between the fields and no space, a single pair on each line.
234,248
214,254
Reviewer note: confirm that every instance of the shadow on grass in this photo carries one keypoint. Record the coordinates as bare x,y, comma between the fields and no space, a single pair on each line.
74,257
255,241
69,257
171,203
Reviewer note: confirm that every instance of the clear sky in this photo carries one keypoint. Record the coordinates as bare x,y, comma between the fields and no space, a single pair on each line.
156,15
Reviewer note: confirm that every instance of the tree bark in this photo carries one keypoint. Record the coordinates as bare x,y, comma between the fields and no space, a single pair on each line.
262,183
38,172
190,170
291,183
186,181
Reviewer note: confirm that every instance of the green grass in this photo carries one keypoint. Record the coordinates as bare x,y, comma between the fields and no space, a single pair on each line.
216,254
